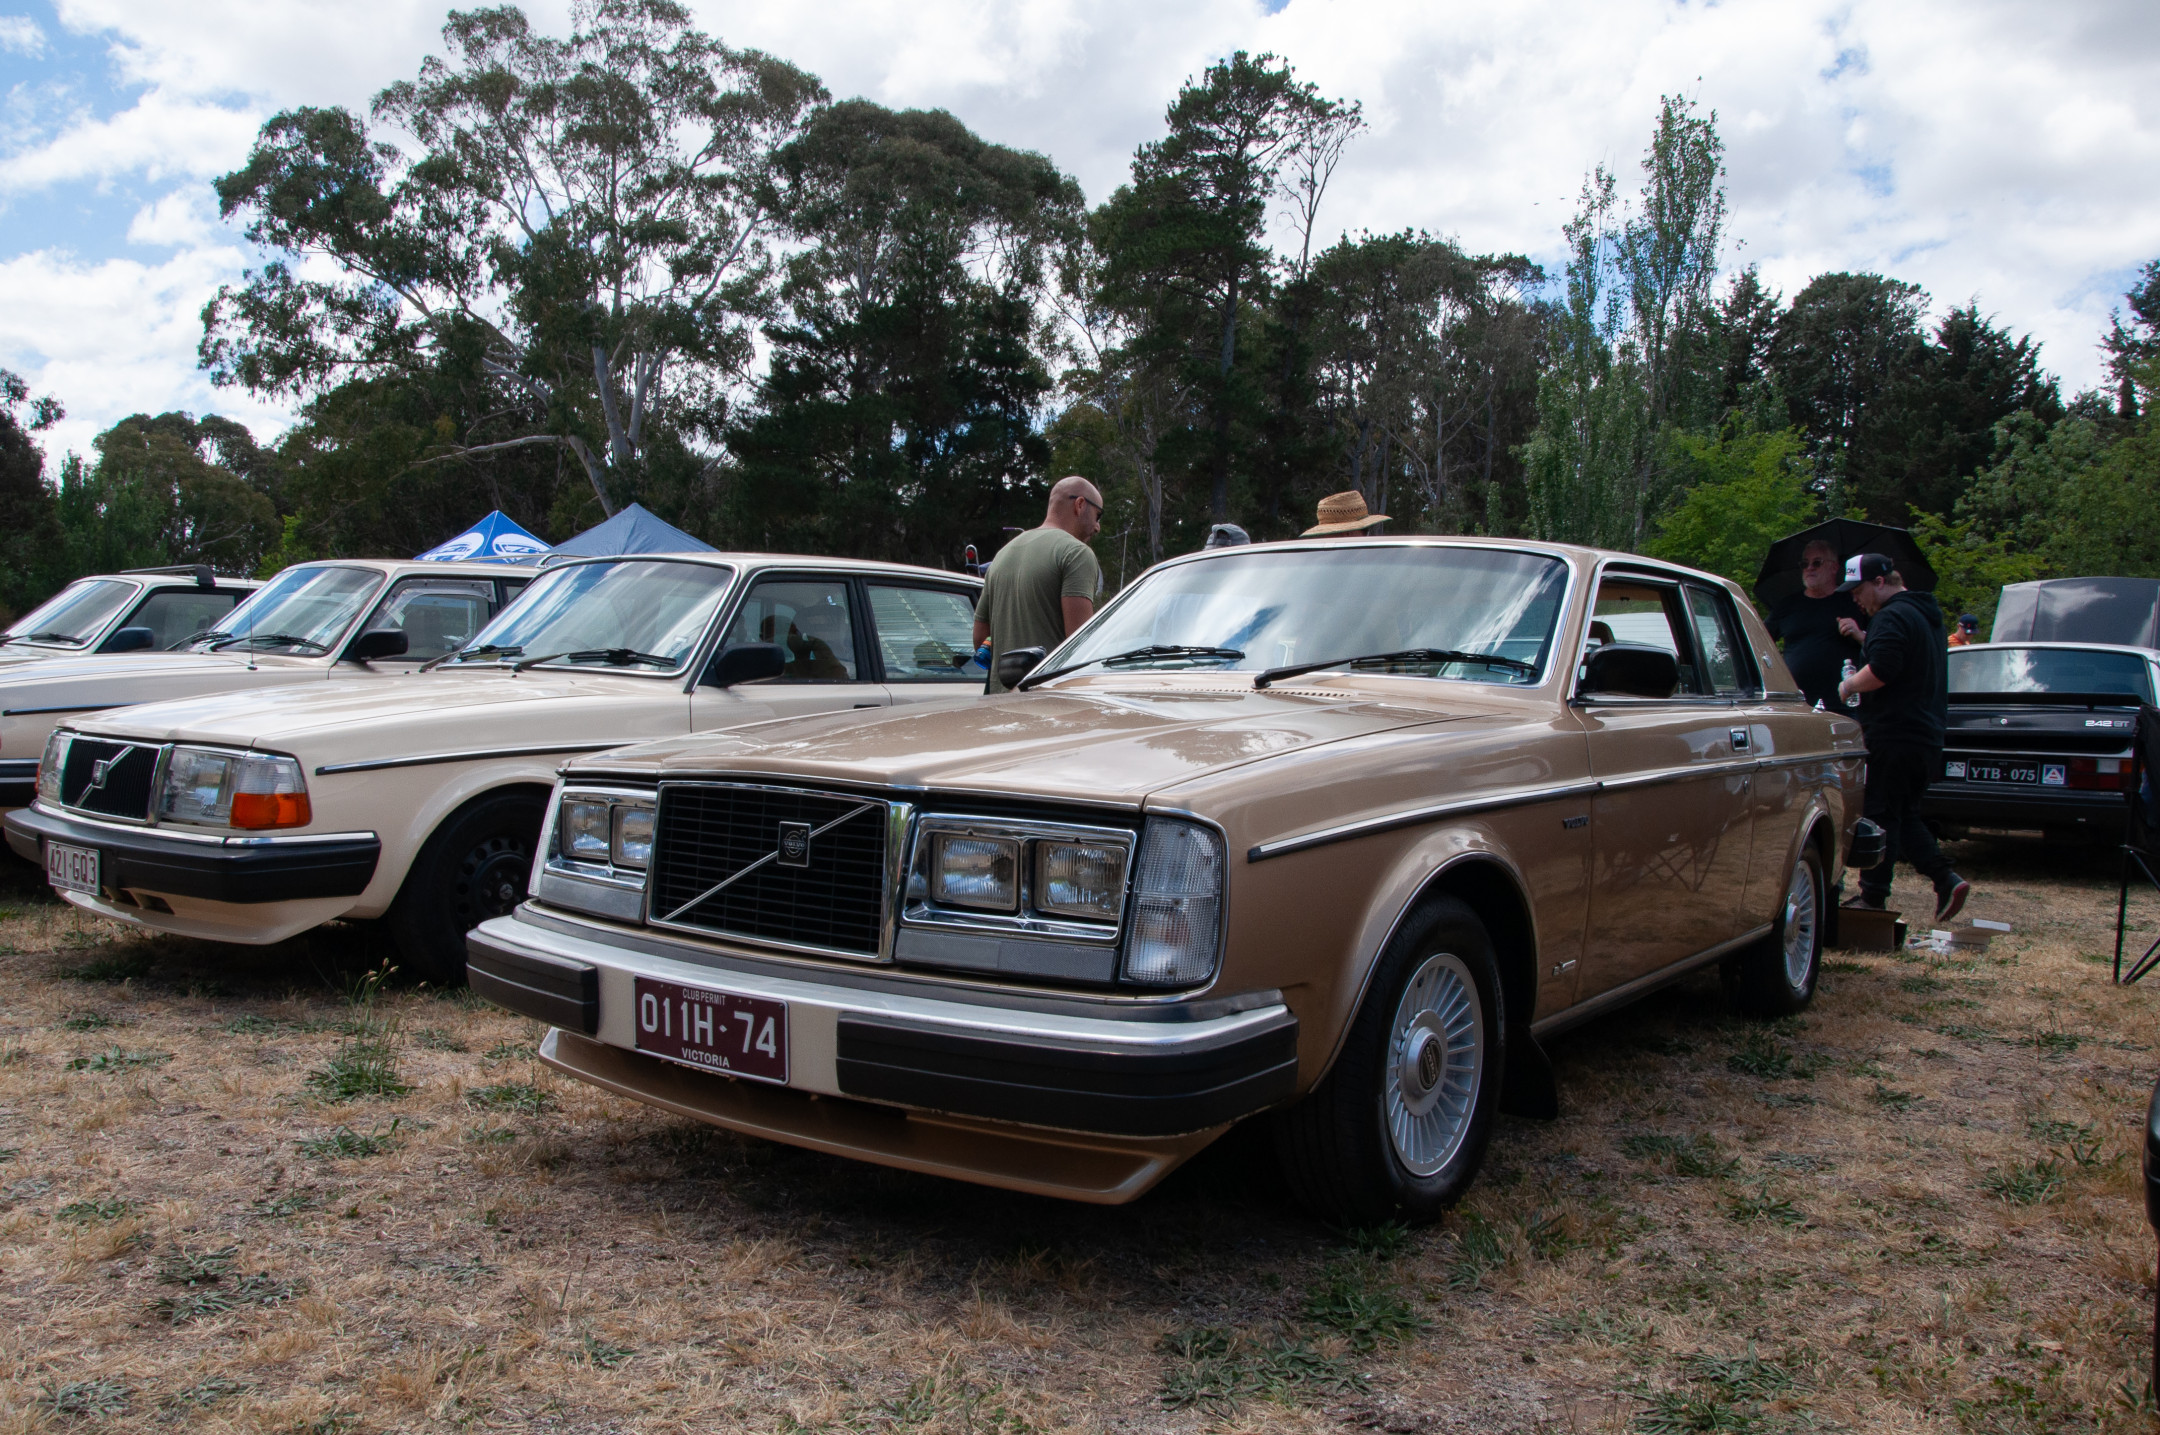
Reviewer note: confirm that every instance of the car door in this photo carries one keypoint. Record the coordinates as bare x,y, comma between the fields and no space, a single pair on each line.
816,618
924,640
1671,819
1769,727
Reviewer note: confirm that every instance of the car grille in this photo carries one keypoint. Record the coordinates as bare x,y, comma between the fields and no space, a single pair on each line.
709,835
112,779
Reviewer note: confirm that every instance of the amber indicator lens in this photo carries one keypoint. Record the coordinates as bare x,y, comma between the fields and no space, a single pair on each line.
976,872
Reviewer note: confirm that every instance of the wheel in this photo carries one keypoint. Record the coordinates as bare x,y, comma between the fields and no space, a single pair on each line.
1399,1127
473,868
1776,976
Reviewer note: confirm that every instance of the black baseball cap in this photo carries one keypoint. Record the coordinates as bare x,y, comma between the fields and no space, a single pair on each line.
1865,567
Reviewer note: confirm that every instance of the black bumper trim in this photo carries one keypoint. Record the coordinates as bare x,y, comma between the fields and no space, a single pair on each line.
1111,1091
555,990
213,872
18,781
2028,807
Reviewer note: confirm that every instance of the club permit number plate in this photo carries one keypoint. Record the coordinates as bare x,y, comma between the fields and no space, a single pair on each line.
713,1030
73,869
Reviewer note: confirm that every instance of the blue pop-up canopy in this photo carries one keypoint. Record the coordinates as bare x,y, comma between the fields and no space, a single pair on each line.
494,539
635,529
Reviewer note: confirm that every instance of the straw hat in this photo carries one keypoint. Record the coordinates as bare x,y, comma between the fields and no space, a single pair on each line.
1343,513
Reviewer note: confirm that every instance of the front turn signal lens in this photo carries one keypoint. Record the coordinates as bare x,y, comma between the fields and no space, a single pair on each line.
248,790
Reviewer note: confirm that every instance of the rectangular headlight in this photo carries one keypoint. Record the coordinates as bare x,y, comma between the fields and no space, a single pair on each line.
1175,936
632,842
1079,879
585,830
232,789
49,766
976,872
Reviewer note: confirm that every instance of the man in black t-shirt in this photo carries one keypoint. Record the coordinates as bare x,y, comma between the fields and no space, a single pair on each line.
1812,625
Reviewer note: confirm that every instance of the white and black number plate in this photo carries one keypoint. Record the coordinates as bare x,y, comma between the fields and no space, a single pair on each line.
713,1030
72,869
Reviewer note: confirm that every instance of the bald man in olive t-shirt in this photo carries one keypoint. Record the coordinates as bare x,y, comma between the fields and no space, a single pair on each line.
1041,586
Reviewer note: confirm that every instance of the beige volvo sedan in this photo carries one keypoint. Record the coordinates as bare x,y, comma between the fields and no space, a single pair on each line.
346,617
253,816
1339,831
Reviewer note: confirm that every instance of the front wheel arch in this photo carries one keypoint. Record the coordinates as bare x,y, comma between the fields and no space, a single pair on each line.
417,918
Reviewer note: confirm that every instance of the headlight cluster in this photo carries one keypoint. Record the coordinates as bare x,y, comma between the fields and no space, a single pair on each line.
605,831
233,789
1176,934
1053,876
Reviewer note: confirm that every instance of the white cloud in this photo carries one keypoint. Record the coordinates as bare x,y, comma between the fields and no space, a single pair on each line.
115,338
20,35
1989,149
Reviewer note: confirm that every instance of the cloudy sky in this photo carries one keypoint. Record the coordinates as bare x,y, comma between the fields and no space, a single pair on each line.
2004,152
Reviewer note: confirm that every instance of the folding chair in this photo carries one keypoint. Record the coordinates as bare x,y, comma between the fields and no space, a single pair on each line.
2141,839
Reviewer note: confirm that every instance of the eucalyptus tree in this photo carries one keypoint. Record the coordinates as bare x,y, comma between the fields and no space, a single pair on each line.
901,411
576,231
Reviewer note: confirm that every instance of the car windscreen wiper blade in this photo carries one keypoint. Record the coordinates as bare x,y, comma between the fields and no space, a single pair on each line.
615,657
47,638
1137,655
1390,660
286,639
485,650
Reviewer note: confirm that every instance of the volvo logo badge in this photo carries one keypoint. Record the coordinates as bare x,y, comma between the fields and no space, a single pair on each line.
100,770
794,845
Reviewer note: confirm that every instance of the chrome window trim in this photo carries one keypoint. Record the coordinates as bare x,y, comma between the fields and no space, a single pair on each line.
882,956
1025,922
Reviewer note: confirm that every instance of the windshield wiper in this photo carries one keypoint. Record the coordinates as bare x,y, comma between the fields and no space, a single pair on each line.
287,639
484,650
1136,655
54,637
1390,660
614,657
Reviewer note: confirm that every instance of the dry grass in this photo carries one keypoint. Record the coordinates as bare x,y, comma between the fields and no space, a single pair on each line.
1915,1208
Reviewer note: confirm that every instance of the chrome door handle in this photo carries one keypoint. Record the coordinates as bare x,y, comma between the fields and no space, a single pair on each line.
1740,739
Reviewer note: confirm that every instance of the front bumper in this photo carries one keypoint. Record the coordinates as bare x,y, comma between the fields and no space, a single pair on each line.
1089,1100
2055,809
239,870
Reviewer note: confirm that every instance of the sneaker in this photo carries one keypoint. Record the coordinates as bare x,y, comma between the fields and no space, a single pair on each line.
1951,900
1868,904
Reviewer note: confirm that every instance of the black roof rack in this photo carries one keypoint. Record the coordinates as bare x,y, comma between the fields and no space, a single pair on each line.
204,578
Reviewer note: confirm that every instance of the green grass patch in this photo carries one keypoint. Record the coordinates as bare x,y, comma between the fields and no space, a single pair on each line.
110,1209
1367,1311
363,1066
1759,1205
1892,1099
518,1096
91,1021
205,1393
249,1024
435,1039
128,965
1215,1370
599,1353
2028,1184
96,1399
344,1143
276,1208
209,1286
114,1059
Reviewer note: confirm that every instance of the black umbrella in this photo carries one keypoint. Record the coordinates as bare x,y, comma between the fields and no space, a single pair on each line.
1780,575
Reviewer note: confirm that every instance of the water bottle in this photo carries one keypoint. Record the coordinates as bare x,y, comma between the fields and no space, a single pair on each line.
1844,677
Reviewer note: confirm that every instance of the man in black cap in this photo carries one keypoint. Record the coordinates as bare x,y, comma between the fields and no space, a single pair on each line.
1904,703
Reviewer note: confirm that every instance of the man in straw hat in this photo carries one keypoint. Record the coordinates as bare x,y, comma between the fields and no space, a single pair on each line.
1343,513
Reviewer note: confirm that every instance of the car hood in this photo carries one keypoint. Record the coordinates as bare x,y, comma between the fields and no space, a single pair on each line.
1091,744
111,679
514,710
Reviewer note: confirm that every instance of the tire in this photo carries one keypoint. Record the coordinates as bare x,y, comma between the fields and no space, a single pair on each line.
474,867
1776,977
1398,1128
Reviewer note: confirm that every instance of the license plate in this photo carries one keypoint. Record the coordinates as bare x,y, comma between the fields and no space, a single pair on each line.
2022,773
713,1030
73,869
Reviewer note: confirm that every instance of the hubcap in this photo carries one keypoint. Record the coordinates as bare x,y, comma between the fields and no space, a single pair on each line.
1799,925
1436,1062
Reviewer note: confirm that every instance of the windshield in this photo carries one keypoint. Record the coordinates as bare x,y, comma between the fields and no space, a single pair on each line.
2050,670
302,611
619,614
73,616
1281,608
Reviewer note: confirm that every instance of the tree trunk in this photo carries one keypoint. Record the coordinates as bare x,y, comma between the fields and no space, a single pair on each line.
1219,461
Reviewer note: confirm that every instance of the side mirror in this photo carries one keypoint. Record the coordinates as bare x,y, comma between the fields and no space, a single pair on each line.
746,663
130,640
1017,664
1634,670
377,643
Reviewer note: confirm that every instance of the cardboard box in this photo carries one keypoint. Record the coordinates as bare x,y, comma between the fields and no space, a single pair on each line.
1865,929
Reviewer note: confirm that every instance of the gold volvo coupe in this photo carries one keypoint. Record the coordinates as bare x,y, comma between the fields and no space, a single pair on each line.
1336,831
